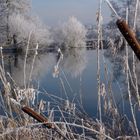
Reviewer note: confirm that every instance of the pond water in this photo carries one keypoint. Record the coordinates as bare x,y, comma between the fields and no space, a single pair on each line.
77,79
84,86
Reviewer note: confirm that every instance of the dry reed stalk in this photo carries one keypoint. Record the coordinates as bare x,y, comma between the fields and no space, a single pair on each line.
2,57
134,62
127,74
99,16
32,66
25,59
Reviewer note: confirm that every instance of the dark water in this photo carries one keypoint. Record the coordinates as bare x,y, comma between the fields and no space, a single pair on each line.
77,73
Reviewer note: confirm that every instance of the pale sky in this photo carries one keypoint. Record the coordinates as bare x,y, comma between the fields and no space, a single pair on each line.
53,12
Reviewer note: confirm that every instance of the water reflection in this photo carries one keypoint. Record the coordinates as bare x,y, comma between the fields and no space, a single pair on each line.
74,61
15,66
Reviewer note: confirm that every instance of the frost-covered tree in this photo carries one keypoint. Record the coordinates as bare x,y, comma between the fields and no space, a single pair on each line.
71,34
23,26
74,33
71,39
19,6
18,21
7,8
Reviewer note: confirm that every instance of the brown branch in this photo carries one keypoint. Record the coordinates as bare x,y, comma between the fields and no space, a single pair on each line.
42,119
37,116
129,35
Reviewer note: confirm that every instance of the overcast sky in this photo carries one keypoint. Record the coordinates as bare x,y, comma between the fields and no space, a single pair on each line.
57,11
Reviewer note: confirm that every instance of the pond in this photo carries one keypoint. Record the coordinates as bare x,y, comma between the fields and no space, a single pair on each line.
75,81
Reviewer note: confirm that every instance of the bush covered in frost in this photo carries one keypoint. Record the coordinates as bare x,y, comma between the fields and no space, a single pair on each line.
70,34
70,37
22,27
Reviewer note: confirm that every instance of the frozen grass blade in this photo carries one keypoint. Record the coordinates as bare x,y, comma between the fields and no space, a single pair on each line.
112,9
134,60
25,59
2,58
32,66
99,22
128,85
